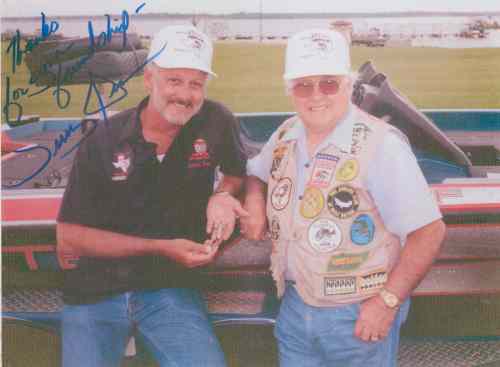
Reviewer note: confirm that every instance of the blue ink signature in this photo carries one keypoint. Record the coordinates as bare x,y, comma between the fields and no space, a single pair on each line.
62,95
59,142
14,46
72,128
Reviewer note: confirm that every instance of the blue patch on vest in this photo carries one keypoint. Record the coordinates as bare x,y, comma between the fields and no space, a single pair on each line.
362,230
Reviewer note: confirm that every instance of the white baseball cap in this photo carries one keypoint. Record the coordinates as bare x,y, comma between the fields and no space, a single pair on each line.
183,46
317,52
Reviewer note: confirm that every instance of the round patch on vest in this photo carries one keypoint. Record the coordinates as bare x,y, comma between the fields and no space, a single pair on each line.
348,171
362,230
275,229
280,197
324,235
312,203
343,201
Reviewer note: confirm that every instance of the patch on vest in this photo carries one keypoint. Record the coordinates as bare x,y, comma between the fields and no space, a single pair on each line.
280,197
324,166
347,261
278,154
312,203
275,228
324,235
339,285
371,281
360,133
343,201
348,171
362,230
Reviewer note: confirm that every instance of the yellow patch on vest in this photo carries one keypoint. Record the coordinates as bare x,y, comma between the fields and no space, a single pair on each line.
312,203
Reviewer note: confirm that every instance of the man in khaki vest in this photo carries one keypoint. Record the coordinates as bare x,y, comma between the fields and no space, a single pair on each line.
353,224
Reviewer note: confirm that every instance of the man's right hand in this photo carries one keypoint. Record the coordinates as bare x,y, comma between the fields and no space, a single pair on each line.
188,253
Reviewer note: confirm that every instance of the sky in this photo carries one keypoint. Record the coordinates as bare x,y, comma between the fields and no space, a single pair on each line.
87,7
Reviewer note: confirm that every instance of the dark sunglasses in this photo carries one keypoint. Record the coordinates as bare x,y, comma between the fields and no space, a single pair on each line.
306,88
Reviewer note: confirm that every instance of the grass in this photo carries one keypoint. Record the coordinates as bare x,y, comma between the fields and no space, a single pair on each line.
250,79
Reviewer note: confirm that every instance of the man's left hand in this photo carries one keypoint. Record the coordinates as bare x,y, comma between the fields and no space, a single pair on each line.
375,320
222,212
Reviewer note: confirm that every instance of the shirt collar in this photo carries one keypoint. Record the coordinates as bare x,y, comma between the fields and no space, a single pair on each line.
341,136
132,130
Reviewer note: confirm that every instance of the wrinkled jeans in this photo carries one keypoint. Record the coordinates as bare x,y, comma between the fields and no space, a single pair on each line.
171,323
324,336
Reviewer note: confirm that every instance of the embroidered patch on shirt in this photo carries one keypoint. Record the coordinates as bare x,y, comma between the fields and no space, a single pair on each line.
360,132
343,201
322,172
372,281
362,230
348,171
339,285
324,235
312,203
280,197
121,165
200,158
347,261
278,166
275,228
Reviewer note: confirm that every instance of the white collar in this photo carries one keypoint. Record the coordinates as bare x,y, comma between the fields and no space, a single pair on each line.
341,136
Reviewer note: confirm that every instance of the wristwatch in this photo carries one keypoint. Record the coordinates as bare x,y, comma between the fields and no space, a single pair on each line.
390,299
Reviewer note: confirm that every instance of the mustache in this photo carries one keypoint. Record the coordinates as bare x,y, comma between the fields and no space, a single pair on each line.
182,102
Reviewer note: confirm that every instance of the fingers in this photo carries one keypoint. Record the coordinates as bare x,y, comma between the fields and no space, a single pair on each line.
210,224
239,211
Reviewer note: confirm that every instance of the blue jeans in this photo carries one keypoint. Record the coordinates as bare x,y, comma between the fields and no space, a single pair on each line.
172,324
321,336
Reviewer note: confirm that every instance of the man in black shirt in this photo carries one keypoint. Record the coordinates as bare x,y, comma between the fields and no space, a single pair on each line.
141,214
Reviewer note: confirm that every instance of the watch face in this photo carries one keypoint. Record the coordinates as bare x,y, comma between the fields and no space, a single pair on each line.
390,299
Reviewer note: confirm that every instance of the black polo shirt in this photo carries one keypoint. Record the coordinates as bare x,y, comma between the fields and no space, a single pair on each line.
118,184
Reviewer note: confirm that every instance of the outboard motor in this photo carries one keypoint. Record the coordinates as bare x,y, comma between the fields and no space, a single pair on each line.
438,156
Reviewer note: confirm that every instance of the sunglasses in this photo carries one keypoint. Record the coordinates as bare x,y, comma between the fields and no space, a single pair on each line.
304,89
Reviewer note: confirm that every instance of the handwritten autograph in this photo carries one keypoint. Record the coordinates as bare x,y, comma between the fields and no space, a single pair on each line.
62,75
64,137
92,92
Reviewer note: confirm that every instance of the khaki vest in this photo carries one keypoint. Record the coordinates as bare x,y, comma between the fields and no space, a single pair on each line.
339,247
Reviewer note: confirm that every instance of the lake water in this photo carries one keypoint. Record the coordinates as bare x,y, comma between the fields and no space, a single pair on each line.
230,27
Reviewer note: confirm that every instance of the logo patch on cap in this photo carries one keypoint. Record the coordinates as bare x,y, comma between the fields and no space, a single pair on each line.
348,171
347,262
343,201
324,235
339,285
322,172
194,41
280,197
312,202
318,44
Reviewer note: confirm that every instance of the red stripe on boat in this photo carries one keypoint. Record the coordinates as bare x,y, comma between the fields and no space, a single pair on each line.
30,209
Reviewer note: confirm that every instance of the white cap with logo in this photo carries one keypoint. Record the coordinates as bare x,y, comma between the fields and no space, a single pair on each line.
317,52
182,46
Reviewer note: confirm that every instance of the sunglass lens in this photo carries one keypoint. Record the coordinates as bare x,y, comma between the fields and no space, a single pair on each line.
328,86
303,89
